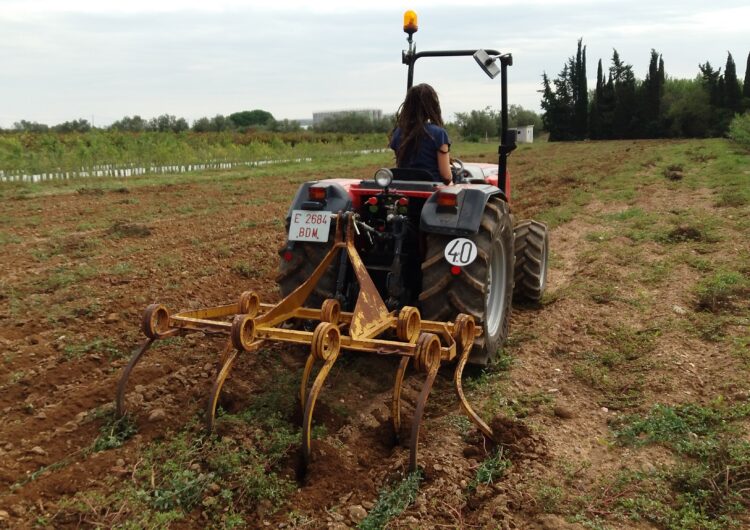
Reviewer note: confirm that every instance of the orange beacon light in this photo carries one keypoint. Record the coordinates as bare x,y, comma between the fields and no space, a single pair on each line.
410,22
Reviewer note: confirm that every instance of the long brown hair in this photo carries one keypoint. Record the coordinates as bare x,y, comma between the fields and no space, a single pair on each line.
420,106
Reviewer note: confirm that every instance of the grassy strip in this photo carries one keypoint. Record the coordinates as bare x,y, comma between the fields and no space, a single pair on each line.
704,488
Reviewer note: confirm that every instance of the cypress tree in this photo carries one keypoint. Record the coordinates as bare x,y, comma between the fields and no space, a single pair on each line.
651,94
580,92
746,85
732,93
624,120
711,82
595,116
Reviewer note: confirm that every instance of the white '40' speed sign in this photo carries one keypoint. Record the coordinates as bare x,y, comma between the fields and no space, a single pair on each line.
460,252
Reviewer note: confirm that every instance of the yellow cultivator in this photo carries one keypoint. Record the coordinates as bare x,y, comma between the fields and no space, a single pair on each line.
370,327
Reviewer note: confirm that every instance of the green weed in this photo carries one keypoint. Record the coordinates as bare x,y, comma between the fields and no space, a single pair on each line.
549,498
717,291
6,238
114,432
393,500
490,470
106,346
63,277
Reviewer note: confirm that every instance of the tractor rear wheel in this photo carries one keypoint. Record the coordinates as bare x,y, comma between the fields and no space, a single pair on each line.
482,289
305,257
531,244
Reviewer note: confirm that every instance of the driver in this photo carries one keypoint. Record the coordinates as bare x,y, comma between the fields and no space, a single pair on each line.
419,139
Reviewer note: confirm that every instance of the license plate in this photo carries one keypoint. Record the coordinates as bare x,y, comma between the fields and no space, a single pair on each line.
310,226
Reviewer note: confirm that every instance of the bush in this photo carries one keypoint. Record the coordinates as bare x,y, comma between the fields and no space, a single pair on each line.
739,130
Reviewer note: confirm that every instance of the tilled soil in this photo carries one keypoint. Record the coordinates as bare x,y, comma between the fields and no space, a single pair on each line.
83,265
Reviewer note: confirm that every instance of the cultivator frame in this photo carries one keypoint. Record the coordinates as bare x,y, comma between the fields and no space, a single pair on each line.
428,344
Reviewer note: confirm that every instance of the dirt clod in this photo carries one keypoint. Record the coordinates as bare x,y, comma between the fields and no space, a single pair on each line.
157,415
674,173
563,412
685,233
357,513
126,229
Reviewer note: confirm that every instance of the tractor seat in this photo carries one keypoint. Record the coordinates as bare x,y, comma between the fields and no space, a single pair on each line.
409,174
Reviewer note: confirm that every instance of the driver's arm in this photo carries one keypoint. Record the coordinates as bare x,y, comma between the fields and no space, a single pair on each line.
444,163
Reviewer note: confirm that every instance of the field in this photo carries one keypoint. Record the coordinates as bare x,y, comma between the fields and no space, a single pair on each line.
623,400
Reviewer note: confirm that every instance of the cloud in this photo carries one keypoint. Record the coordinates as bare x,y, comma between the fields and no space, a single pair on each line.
69,59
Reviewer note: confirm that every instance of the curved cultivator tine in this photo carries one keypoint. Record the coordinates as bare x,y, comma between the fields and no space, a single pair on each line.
228,357
426,359
326,345
396,401
120,398
468,410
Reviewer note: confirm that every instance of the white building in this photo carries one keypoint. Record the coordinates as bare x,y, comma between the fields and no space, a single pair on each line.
525,134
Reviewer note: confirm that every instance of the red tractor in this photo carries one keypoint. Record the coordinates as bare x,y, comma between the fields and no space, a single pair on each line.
398,265
446,250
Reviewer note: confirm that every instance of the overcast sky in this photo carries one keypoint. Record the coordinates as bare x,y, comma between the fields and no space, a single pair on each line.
104,59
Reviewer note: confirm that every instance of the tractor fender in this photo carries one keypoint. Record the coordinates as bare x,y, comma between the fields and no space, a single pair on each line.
337,198
464,218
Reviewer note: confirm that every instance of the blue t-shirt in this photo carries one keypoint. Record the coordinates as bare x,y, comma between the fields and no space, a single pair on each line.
426,155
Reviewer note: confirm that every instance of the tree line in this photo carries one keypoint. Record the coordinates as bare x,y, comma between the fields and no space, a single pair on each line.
236,122
471,125
622,106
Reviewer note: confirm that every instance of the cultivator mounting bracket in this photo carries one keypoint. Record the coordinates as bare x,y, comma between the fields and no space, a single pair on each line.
250,323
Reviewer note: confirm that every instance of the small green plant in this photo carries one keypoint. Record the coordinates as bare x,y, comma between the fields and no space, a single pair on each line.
6,238
246,270
549,498
718,290
122,268
107,346
114,432
491,469
171,480
392,502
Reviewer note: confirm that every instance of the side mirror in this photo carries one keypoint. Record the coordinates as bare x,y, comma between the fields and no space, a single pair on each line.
509,142
487,63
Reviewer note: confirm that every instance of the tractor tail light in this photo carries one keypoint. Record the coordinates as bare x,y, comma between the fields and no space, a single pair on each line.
403,201
447,199
316,194
455,270
288,255
372,201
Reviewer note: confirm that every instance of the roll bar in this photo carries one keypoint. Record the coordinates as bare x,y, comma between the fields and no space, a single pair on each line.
507,144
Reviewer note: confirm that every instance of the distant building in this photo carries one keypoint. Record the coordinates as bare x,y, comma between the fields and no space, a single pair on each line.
525,134
372,114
